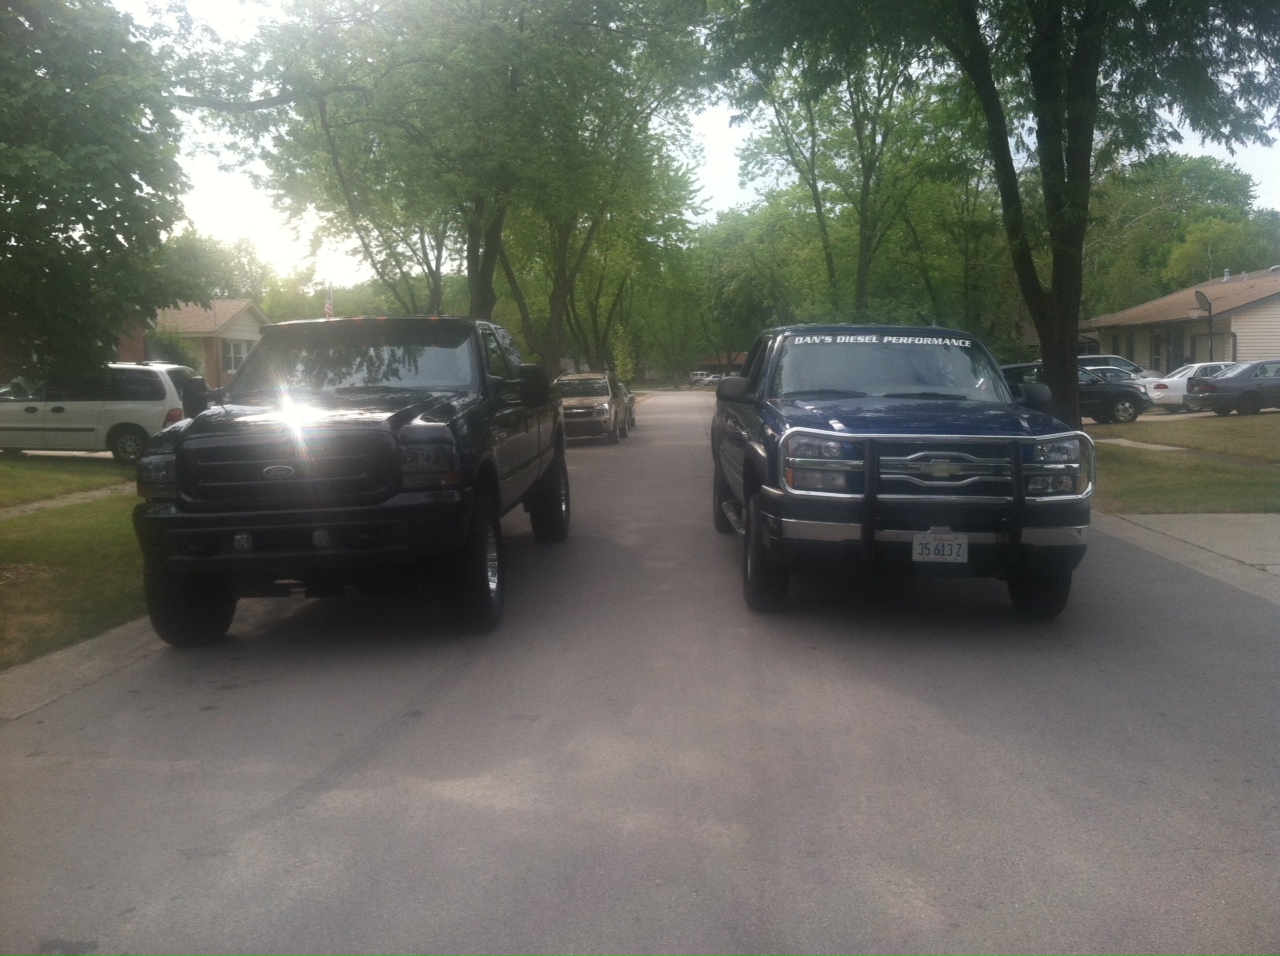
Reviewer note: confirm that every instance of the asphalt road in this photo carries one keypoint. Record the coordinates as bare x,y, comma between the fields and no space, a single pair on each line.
636,763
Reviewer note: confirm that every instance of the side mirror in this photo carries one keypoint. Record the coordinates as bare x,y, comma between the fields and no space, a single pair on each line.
1033,395
535,387
733,389
195,396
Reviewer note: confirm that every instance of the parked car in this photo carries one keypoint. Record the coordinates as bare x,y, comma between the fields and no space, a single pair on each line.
1116,361
595,405
372,454
116,410
699,378
1247,388
1170,392
1100,399
897,452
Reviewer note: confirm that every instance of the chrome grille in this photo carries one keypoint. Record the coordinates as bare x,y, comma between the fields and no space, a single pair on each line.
951,469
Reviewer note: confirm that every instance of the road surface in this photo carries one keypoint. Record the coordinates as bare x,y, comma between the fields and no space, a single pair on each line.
637,763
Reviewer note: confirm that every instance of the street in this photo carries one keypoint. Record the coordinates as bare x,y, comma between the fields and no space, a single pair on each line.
635,762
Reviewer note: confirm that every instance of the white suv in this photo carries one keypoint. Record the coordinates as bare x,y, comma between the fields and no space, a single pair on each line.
116,412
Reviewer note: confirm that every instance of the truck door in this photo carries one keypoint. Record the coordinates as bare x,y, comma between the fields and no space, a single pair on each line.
515,426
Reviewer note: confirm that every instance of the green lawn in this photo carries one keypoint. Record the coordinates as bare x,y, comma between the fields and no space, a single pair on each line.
35,477
1256,437
67,573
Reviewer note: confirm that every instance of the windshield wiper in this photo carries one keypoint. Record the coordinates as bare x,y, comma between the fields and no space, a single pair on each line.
942,395
823,393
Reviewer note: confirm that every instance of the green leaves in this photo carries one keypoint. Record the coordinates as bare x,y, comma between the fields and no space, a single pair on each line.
89,180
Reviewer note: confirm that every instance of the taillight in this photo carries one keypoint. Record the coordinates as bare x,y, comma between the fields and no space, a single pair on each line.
175,415
1159,385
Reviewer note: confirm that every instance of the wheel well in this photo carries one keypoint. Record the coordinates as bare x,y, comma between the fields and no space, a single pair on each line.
487,482
117,430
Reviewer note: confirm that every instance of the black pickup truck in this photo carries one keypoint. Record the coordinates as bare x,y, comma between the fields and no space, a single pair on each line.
368,453
897,451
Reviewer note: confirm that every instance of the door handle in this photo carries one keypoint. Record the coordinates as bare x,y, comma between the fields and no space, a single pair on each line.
57,409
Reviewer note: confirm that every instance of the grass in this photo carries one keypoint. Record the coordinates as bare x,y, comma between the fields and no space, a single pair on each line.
66,574
36,477
1255,437
1139,481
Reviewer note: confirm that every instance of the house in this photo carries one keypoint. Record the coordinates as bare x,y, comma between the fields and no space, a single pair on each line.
221,335
1235,317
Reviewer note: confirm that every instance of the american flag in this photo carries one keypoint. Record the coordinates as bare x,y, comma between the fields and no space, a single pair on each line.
328,304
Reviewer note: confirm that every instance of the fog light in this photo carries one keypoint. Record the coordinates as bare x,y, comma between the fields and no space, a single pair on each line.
242,542
320,538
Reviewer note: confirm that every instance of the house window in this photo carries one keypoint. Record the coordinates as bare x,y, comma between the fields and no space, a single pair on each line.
233,353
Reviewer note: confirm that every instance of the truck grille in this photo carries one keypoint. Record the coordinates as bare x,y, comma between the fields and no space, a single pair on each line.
930,468
282,472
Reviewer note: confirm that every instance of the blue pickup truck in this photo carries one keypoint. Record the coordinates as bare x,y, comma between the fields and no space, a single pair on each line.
897,451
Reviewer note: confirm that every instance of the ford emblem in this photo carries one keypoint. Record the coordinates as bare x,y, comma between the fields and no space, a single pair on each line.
278,471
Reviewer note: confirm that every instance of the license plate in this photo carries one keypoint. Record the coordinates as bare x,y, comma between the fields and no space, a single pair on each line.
945,548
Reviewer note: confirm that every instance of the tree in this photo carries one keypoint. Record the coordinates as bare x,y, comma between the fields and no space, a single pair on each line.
1062,84
89,181
218,269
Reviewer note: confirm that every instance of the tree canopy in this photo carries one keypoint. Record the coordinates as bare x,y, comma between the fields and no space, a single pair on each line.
1063,86
89,180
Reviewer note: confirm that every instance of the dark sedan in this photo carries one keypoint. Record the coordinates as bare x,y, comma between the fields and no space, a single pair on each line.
1246,388
1102,400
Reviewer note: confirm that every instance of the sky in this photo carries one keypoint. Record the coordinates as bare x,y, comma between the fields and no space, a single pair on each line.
226,206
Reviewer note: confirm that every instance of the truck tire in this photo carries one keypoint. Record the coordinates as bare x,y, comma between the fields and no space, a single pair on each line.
188,611
764,580
719,495
478,581
548,503
612,434
1040,595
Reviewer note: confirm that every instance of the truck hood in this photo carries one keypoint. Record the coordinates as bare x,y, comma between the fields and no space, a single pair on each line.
913,416
390,410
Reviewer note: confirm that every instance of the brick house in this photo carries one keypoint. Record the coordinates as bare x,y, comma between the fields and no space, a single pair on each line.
221,334
1241,324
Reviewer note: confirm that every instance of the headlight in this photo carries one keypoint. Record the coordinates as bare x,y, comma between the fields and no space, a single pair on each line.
1057,452
1060,467
429,465
158,477
812,463
602,410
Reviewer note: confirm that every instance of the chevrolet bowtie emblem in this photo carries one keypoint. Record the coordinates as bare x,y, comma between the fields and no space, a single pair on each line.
940,468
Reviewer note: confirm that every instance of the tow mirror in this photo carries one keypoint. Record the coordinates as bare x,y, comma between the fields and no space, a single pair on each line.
1033,395
535,388
733,389
195,396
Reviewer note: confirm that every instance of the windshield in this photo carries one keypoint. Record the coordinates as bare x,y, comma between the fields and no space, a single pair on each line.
359,357
583,387
864,365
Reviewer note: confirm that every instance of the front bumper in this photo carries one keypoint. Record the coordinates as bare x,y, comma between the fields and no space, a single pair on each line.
1002,539
333,545
586,427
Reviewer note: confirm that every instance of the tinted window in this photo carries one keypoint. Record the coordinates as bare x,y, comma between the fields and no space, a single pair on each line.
907,365
351,357
135,385
583,387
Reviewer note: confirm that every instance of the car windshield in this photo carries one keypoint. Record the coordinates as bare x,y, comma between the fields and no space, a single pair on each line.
583,387
358,358
910,365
